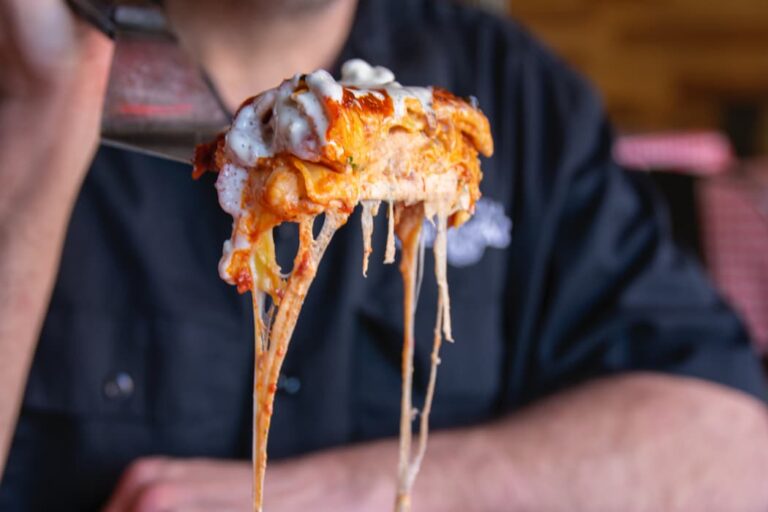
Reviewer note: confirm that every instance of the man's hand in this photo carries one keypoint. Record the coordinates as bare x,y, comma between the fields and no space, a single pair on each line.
635,443
52,84
55,69
156,484
43,46
320,483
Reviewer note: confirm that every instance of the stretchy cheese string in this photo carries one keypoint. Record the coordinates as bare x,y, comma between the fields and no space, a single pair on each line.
269,362
408,228
271,341
424,423
419,271
440,250
258,455
370,210
389,252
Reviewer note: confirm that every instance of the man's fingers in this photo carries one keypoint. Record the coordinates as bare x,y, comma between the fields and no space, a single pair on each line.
138,475
43,43
159,497
159,484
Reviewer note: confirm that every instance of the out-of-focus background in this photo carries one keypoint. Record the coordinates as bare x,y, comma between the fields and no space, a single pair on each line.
685,83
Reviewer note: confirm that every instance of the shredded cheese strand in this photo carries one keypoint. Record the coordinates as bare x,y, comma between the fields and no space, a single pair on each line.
369,211
427,409
389,254
408,227
258,343
441,272
419,271
270,362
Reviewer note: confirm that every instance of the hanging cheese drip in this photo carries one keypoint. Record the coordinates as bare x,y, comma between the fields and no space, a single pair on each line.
389,253
370,210
271,339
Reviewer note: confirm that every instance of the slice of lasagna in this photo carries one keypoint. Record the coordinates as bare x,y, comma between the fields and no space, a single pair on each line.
317,147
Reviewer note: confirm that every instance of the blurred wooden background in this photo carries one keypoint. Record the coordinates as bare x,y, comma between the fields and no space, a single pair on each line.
663,64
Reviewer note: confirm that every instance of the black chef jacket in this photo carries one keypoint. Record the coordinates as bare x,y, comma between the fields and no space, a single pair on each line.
146,351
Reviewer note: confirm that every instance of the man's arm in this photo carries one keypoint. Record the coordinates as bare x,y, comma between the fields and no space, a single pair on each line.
51,89
638,442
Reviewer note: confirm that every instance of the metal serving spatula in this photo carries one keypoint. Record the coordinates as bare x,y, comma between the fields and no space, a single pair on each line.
158,101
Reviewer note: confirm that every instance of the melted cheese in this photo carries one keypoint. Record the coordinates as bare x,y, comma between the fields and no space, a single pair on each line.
316,146
314,143
367,79
294,117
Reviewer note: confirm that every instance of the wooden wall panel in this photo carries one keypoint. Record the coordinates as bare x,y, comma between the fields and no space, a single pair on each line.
661,64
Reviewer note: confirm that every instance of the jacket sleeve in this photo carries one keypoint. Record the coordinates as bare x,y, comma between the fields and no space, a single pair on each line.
596,284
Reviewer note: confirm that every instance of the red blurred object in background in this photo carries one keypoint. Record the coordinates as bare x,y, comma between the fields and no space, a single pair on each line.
702,153
732,204
734,215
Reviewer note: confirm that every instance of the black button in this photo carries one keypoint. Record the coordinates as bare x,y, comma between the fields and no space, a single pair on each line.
119,386
289,385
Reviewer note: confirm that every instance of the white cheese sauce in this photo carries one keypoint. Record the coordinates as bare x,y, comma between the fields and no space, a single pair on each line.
230,185
360,74
282,119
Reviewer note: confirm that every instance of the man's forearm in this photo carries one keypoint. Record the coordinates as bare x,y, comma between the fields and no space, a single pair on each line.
630,443
32,224
637,442
46,140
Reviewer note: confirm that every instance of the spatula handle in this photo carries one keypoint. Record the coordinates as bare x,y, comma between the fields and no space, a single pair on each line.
111,16
99,13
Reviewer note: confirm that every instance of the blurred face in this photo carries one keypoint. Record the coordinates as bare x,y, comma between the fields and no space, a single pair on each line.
223,17
249,45
289,6
263,7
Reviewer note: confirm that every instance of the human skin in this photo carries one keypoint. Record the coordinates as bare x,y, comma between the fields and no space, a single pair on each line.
51,91
635,443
